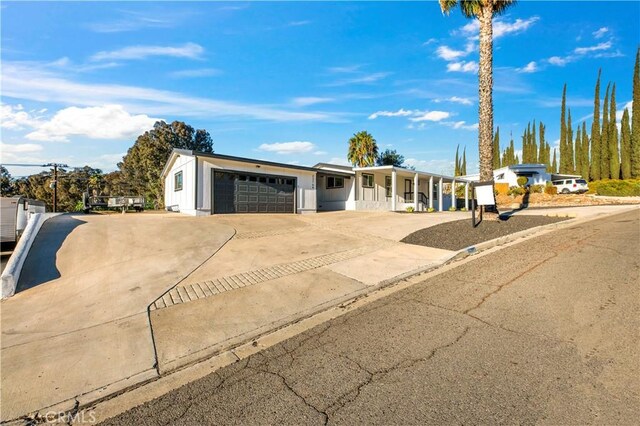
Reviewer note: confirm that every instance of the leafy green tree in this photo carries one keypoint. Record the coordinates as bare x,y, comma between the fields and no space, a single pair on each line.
569,164
142,165
585,152
554,163
363,149
483,11
625,144
578,151
635,120
496,149
7,184
614,154
390,157
595,133
605,171
463,167
456,170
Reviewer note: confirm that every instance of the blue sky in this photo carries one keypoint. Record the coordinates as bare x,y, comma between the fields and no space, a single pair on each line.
291,82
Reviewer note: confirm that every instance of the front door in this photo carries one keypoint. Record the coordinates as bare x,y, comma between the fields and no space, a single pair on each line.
408,190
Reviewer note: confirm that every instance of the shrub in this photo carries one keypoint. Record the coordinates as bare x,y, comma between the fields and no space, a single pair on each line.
616,187
522,181
550,189
464,209
431,210
453,209
410,209
536,189
515,190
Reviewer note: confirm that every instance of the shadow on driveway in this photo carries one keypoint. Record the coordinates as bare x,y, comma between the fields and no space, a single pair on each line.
40,264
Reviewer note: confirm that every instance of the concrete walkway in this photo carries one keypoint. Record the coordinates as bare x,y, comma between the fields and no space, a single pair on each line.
81,318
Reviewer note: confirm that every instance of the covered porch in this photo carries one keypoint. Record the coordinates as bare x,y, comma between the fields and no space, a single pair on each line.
391,188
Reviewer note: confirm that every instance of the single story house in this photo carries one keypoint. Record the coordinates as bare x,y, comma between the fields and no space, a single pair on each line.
536,174
199,183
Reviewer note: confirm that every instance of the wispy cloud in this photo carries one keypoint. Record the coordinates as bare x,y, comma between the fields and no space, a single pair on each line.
449,54
20,148
286,148
30,82
601,32
600,46
195,73
345,69
400,113
187,50
456,100
461,125
431,116
531,67
501,27
470,66
135,21
413,114
15,117
310,100
298,23
361,79
599,50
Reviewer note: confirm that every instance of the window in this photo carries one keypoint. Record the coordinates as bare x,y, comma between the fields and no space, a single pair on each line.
242,178
387,185
177,181
253,179
262,179
335,182
367,181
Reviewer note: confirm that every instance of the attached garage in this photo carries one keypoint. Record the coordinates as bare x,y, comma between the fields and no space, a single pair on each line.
242,192
202,184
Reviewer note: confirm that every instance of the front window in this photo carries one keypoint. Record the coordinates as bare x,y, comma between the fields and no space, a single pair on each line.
367,181
335,182
582,181
177,181
387,186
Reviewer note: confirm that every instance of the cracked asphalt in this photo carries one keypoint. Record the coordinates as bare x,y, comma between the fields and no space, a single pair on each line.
546,331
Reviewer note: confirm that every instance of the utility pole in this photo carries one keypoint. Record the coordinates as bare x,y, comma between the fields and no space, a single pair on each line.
55,183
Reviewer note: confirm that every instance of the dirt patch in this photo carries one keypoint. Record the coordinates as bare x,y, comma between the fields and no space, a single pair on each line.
460,234
561,200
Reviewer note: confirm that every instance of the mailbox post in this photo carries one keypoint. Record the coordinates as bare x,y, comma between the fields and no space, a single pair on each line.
482,194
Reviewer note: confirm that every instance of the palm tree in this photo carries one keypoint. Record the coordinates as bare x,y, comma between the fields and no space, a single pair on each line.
363,150
483,11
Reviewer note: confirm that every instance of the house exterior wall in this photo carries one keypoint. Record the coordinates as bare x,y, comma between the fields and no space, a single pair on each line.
305,181
183,200
331,199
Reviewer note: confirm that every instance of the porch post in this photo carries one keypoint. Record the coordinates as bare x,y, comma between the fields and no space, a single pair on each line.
415,192
430,192
440,195
466,195
453,193
393,190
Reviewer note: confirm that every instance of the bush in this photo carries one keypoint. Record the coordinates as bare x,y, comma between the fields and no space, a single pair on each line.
410,209
515,190
431,210
522,181
536,189
616,187
550,189
453,209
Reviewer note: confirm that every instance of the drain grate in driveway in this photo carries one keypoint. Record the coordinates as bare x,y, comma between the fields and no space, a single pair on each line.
187,293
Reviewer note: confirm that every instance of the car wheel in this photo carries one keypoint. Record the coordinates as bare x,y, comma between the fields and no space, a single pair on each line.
565,191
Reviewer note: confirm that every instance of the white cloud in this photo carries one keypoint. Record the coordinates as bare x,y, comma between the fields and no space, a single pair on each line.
400,113
629,106
448,54
557,60
298,23
187,50
501,27
461,125
470,66
295,147
600,32
133,21
105,122
19,148
16,118
456,100
362,79
600,46
194,73
431,116
430,41
529,68
32,82
345,69
310,100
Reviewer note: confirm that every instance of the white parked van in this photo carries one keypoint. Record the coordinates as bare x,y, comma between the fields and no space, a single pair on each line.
571,186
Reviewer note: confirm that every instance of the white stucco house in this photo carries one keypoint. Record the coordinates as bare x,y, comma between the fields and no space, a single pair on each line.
535,173
198,183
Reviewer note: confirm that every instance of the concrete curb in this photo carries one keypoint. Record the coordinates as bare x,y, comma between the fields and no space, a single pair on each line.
11,274
107,403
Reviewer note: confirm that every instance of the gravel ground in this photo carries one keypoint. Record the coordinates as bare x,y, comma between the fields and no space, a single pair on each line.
460,234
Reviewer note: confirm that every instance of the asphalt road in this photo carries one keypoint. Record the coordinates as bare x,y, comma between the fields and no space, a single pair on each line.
546,331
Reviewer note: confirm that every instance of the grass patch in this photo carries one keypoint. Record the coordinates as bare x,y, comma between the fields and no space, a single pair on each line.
616,187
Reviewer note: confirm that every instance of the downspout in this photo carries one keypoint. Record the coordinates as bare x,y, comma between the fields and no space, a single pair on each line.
195,197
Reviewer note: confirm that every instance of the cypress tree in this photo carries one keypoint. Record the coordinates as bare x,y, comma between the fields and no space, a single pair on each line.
635,120
456,172
605,171
614,153
554,163
625,144
496,149
578,152
585,152
595,133
463,169
563,132
513,159
570,163
541,150
534,144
